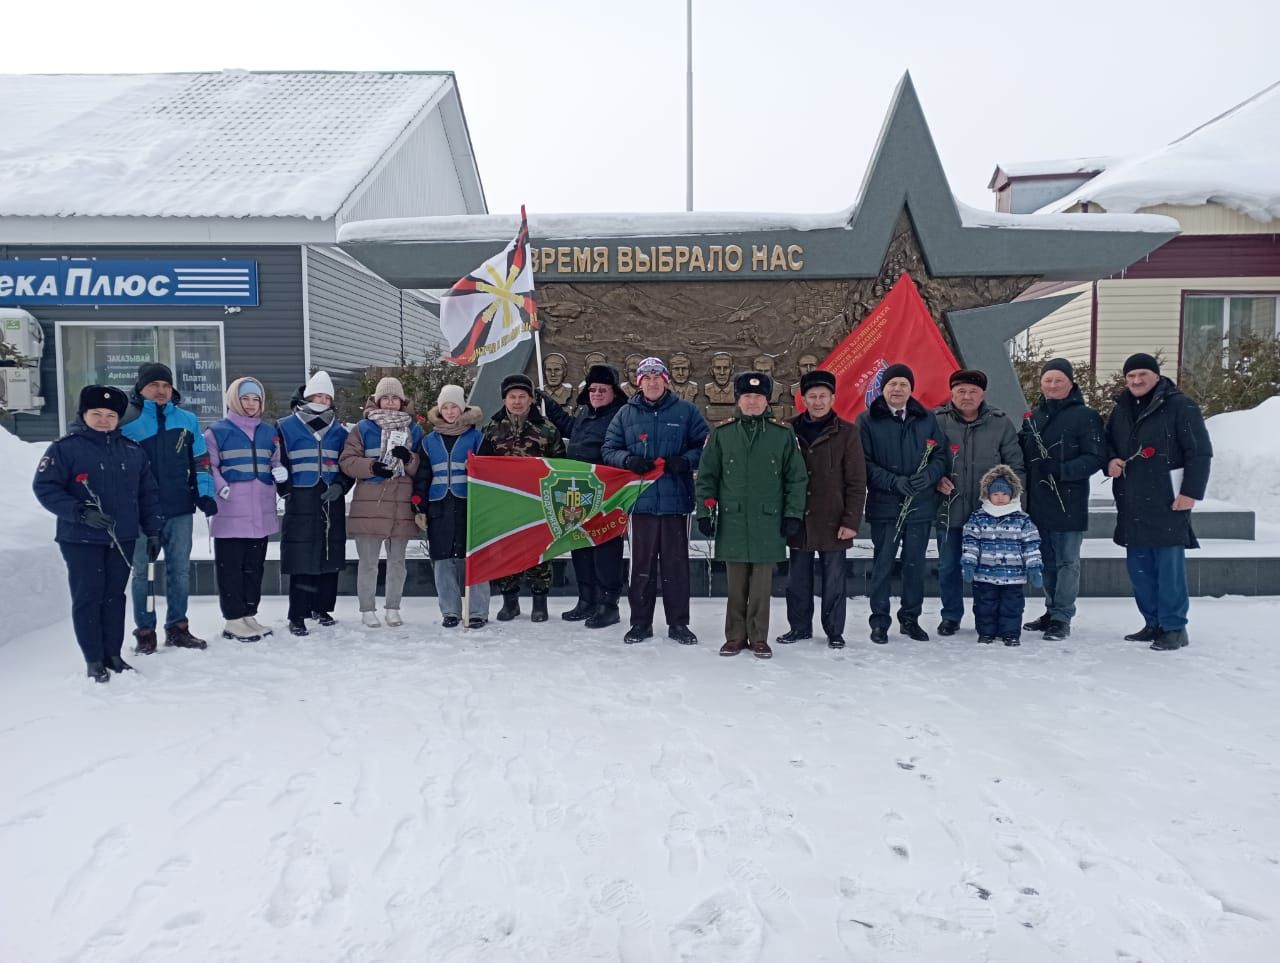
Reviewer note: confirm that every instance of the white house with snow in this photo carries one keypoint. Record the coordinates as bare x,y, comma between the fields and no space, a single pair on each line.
1195,296
192,219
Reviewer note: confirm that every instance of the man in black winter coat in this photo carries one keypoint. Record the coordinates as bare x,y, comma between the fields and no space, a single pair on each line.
1062,447
1159,453
597,568
906,458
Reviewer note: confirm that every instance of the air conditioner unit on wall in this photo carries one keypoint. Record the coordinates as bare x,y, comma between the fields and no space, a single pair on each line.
20,380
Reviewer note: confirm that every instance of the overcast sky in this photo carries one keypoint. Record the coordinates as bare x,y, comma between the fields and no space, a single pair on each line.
578,105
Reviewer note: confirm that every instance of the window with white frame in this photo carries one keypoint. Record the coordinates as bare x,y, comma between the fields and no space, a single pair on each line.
1213,325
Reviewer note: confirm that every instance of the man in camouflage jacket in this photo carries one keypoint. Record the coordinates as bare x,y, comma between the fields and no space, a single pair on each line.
519,430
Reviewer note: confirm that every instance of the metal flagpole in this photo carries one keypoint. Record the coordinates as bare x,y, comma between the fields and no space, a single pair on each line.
688,200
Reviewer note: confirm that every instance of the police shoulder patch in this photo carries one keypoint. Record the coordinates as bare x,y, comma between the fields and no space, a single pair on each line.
45,462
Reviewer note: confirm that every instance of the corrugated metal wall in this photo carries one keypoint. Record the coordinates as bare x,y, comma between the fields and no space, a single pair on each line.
265,341
1212,219
358,320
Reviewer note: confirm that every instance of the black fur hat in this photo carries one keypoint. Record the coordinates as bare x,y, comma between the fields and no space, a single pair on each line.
817,378
600,374
752,382
514,381
103,396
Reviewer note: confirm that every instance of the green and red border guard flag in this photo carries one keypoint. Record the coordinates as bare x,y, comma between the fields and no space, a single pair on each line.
522,511
899,330
491,310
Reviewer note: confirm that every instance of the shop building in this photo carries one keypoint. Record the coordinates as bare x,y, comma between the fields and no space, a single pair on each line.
192,219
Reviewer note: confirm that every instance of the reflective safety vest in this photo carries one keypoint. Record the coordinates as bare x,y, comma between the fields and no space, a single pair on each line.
311,461
449,468
371,437
240,458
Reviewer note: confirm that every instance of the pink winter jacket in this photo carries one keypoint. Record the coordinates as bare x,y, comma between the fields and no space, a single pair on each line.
249,510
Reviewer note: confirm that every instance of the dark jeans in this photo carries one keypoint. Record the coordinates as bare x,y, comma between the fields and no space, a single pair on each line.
175,540
914,541
97,575
950,577
1159,577
238,563
800,591
659,539
1061,554
599,569
746,613
997,609
312,593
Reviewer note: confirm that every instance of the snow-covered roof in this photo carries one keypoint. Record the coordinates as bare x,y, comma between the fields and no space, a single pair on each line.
1233,160
231,144
498,227
1063,166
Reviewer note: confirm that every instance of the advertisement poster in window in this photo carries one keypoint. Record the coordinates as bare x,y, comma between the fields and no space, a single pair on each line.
118,353
198,371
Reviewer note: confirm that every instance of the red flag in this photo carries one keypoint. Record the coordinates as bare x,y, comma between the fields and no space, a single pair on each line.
899,331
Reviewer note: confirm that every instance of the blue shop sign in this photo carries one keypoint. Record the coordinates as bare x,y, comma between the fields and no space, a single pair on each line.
128,282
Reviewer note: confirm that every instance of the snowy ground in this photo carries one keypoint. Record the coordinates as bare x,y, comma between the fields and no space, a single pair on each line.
541,794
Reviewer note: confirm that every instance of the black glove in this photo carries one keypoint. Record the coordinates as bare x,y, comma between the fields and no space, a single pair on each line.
707,526
401,452
95,517
902,485
207,505
1052,467
381,470
791,527
638,464
920,482
332,493
153,547
677,465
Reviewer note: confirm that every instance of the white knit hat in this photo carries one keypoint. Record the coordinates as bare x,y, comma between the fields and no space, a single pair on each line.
452,395
319,384
389,388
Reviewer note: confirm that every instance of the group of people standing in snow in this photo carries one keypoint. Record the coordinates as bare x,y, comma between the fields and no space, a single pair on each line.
127,478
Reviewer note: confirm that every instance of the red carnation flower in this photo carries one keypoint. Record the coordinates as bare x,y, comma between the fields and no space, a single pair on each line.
82,478
1147,452
1026,415
955,449
416,500
710,503
644,437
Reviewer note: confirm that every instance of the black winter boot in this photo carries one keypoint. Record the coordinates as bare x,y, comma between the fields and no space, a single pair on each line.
606,612
539,613
586,606
179,636
97,672
144,641
117,664
510,606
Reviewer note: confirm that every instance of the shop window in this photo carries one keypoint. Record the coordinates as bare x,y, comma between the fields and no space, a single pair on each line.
1213,326
110,354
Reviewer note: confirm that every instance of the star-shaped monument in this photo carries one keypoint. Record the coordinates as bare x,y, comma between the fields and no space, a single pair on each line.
968,264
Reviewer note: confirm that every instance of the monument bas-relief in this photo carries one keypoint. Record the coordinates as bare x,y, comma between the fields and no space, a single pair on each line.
709,331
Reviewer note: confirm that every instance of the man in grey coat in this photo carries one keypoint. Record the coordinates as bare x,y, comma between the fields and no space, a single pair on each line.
979,437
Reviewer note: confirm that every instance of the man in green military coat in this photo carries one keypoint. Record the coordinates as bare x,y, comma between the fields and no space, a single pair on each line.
752,478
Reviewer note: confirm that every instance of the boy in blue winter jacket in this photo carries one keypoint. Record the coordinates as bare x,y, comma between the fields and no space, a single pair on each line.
1000,554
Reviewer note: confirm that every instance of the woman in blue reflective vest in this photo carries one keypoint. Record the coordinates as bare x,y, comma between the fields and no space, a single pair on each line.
244,457
313,538
441,501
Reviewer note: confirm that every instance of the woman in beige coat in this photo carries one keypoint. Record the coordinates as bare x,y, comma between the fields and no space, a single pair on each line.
381,454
